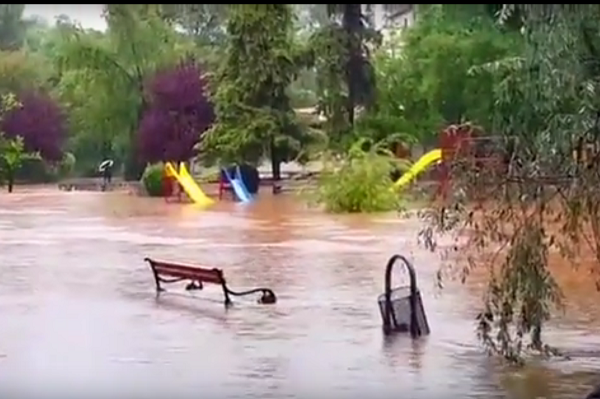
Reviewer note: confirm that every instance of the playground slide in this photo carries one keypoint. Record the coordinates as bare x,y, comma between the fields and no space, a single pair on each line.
190,187
238,186
431,157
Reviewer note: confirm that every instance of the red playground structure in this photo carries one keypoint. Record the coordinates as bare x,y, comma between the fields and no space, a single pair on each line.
171,189
466,143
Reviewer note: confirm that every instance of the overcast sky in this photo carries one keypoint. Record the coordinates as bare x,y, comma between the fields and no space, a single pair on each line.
88,15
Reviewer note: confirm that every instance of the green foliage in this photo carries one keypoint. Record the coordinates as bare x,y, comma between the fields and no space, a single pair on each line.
340,55
329,53
12,156
424,74
152,179
36,171
67,165
359,182
12,151
253,112
12,26
545,111
20,71
113,67
204,23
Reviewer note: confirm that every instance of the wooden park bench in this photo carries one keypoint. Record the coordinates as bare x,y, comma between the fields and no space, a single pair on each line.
168,272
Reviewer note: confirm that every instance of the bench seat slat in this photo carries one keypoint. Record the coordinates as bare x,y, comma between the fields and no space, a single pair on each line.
180,266
202,272
213,276
200,276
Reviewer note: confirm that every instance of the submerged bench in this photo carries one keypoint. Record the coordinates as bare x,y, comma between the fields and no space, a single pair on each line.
168,272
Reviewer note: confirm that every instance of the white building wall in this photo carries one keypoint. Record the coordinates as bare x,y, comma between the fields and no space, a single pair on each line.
390,17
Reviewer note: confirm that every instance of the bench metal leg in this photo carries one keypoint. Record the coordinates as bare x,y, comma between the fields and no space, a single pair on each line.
194,285
157,281
226,295
267,297
159,289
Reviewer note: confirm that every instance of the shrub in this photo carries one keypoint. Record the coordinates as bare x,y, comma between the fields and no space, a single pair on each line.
34,171
67,165
359,182
152,179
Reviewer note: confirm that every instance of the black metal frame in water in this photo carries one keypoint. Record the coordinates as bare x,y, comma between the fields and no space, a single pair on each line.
595,394
418,320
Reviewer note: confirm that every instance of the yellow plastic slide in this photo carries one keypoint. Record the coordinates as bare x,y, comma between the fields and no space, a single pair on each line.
190,187
431,157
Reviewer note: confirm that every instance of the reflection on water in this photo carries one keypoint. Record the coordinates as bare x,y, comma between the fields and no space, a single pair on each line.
79,308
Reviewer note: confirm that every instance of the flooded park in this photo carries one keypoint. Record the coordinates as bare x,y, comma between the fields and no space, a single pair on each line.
80,313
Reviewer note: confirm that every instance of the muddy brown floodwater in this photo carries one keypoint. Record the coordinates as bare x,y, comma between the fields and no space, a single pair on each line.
79,313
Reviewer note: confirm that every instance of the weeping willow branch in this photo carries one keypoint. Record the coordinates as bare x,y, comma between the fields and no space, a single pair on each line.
540,200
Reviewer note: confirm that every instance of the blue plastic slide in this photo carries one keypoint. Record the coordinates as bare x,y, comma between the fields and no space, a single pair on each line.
238,186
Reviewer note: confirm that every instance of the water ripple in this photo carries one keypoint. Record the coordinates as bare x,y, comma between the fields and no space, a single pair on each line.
74,278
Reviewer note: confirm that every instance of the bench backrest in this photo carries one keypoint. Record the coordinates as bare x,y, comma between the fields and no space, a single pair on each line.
200,274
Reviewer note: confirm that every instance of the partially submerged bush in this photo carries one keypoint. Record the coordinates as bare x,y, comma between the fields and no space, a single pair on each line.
152,179
359,182
37,170
67,165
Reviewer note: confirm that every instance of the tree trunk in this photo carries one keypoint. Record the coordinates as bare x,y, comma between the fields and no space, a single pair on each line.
350,108
134,168
353,25
275,166
10,180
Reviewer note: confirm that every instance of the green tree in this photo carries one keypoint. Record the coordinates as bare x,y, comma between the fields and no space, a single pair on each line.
12,151
113,67
12,156
12,26
340,53
430,69
20,70
253,112
309,18
204,23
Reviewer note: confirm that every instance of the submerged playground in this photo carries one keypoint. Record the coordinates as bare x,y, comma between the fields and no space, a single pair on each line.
247,294
279,204
457,143
243,181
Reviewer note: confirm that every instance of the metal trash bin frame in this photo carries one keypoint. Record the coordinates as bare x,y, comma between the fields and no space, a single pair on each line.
390,324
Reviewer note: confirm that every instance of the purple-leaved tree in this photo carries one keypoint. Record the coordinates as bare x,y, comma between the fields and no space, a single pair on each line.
40,121
179,112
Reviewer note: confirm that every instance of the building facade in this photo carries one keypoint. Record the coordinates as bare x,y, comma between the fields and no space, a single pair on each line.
389,17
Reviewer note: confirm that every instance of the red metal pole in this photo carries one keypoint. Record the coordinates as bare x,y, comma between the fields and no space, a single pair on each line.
221,186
